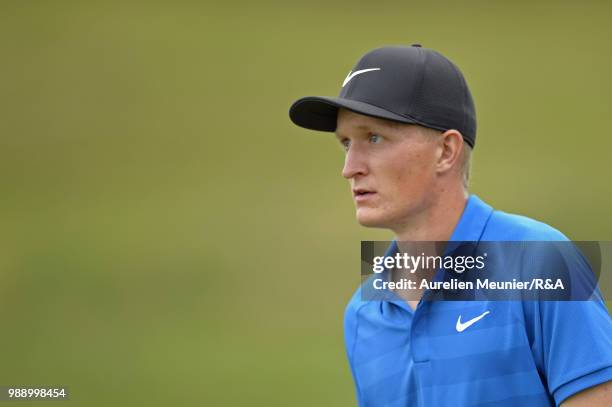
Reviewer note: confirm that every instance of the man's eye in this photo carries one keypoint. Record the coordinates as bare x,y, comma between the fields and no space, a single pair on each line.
346,143
375,138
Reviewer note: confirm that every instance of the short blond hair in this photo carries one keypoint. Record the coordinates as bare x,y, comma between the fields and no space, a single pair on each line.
466,164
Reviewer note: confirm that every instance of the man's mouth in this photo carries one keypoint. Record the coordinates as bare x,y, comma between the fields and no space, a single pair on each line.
362,194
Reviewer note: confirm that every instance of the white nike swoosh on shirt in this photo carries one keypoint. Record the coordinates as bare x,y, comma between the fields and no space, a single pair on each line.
351,75
463,326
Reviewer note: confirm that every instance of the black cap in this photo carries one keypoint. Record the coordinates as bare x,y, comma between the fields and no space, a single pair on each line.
407,84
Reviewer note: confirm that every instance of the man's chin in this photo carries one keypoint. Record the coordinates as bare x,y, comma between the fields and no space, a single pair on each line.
370,219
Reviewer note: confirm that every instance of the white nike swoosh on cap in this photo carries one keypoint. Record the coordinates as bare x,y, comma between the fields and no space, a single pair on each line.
463,326
351,75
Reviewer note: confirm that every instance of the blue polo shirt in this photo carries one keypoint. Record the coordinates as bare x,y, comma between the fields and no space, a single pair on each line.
527,353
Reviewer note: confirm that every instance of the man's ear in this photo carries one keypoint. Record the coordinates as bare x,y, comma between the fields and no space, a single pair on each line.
451,146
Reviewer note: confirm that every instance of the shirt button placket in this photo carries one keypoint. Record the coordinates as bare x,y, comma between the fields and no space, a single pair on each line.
420,349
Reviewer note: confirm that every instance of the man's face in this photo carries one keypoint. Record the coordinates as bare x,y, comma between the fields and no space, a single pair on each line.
390,166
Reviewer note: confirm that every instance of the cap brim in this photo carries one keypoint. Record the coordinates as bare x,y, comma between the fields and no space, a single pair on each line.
320,112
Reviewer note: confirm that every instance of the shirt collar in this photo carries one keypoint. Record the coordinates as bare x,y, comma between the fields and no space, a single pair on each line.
472,223
468,231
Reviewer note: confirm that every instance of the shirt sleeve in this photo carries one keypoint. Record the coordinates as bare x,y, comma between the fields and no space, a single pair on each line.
571,340
571,343
576,346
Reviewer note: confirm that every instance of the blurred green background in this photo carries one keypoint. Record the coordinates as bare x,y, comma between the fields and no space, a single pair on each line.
170,238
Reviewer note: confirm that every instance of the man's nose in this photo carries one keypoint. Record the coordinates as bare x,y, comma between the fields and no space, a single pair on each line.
354,164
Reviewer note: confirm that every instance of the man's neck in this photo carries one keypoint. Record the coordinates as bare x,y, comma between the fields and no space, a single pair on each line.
438,222
436,225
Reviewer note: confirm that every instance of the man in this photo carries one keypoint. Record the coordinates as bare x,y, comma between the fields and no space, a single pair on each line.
406,119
